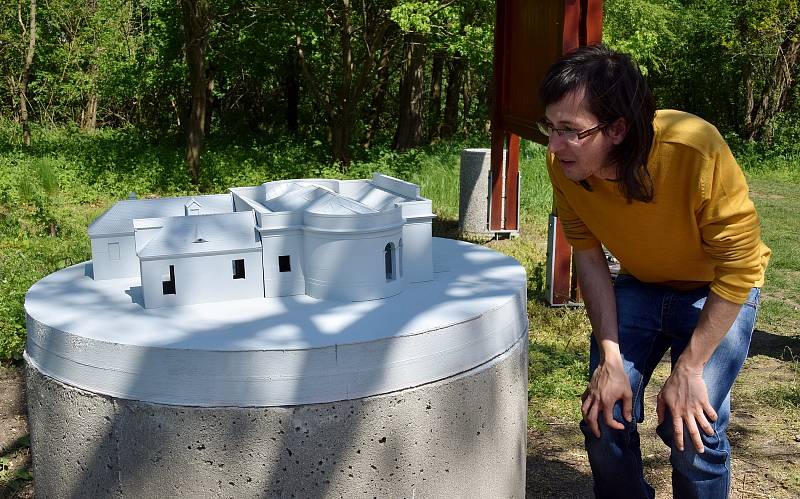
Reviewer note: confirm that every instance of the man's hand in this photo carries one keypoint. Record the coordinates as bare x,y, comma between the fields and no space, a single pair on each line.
685,395
609,384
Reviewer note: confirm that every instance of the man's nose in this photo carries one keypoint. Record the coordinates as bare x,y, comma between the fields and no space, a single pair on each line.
555,142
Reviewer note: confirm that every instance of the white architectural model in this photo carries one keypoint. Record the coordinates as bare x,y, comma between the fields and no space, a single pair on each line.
346,240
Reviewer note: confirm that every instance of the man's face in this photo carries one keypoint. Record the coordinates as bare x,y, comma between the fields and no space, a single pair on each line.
581,158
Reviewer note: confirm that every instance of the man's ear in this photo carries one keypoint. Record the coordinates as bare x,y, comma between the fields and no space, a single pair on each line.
617,130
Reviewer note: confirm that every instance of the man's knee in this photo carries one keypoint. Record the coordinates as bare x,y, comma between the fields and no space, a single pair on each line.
616,462
704,465
611,441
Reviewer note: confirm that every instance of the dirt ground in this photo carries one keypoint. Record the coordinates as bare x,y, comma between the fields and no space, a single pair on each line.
15,461
765,439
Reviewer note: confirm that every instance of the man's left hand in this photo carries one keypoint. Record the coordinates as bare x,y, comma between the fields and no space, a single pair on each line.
684,394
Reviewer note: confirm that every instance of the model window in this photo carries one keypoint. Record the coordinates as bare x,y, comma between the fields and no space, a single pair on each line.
387,259
169,286
238,269
113,251
284,263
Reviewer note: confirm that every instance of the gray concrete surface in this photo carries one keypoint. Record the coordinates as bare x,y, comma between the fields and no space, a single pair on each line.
463,436
474,189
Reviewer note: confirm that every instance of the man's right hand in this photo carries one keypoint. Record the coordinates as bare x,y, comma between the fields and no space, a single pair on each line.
609,384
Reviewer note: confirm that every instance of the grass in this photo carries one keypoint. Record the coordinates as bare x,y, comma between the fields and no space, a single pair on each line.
778,207
778,201
68,178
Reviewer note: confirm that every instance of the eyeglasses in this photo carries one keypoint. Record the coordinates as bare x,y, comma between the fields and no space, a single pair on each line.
547,128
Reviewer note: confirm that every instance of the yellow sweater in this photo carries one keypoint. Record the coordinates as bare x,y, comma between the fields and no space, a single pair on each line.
700,228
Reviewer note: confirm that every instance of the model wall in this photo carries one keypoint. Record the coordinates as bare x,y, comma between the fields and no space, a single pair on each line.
278,281
354,267
202,279
418,251
114,257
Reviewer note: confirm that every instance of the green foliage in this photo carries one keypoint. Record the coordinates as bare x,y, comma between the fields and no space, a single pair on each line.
714,58
556,373
678,46
22,263
36,188
777,201
645,30
130,57
416,16
536,195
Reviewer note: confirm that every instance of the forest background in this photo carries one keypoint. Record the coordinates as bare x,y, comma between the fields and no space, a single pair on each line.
356,75
102,97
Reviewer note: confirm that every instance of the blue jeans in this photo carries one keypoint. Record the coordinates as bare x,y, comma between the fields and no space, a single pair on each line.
651,320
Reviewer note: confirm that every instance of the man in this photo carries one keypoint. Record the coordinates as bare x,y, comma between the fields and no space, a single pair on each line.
662,191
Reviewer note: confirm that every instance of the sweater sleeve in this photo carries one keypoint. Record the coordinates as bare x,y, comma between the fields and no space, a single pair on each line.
578,235
729,227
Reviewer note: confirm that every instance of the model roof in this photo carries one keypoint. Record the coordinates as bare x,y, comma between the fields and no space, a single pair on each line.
198,234
376,198
313,198
118,220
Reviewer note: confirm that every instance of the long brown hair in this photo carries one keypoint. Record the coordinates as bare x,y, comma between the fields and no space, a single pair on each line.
614,88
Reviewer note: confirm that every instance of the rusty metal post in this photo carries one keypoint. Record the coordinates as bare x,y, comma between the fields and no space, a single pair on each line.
529,37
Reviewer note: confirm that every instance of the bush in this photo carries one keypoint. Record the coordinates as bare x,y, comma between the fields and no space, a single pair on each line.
22,263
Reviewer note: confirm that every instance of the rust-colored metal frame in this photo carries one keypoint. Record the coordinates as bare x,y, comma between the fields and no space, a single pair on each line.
529,37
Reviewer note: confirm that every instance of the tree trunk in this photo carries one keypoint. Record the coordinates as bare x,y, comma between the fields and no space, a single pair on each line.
339,101
435,111
749,103
292,88
89,114
341,133
89,122
412,94
340,118
487,98
378,99
196,24
778,86
211,103
26,74
13,93
466,99
454,78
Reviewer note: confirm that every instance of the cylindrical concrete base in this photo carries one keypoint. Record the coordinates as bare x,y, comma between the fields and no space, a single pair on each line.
459,437
423,394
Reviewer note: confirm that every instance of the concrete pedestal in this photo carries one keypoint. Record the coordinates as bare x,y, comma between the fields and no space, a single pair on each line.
420,395
474,191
